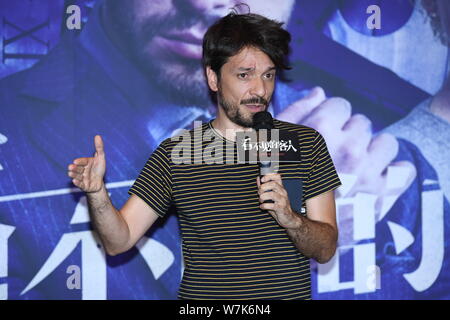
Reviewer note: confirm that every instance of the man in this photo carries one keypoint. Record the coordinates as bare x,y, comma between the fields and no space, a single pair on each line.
235,246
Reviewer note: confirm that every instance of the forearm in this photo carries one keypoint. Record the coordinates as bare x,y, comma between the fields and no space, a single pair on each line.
108,222
314,239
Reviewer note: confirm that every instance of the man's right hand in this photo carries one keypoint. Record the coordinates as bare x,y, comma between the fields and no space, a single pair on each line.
87,173
119,230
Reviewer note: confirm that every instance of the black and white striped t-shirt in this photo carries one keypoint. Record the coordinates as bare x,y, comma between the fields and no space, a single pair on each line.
232,249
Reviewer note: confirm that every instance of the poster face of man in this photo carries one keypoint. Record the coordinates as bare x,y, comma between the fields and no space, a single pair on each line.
165,37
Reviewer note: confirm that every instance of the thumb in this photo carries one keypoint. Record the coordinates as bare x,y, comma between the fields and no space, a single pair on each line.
303,107
98,142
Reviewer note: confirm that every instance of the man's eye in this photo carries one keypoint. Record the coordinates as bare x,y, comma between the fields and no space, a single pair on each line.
269,75
242,75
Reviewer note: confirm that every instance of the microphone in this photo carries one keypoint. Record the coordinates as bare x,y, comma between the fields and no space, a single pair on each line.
263,120
288,152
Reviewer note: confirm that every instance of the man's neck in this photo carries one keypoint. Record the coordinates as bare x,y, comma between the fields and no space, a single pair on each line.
227,128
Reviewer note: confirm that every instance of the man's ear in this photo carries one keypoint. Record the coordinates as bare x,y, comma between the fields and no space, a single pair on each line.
212,79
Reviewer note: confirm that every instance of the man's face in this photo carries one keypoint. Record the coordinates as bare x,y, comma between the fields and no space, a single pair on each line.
165,37
245,85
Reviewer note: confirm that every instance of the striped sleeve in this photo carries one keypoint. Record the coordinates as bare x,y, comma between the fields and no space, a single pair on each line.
322,176
154,183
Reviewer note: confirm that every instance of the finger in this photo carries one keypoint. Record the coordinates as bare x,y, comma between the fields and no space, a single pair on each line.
330,116
99,148
75,175
258,182
81,161
267,206
357,136
75,168
271,185
78,183
358,123
75,182
297,111
382,150
269,195
271,177
358,130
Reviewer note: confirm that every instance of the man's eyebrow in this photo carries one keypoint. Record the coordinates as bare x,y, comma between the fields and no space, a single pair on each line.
270,69
253,68
246,69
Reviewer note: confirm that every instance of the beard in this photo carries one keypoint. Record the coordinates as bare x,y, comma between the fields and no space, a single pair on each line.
235,114
180,79
183,81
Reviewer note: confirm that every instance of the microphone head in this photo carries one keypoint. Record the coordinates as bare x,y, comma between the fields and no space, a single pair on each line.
262,120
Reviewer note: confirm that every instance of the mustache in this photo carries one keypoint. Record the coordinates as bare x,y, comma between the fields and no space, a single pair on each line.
175,20
255,100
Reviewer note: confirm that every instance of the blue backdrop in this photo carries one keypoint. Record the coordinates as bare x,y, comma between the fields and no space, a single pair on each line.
129,71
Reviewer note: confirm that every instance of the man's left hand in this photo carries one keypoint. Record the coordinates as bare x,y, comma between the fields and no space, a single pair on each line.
272,188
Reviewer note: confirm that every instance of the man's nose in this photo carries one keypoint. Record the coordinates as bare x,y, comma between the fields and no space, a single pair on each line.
217,8
258,88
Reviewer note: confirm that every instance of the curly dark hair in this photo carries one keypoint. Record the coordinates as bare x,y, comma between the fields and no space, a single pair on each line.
234,32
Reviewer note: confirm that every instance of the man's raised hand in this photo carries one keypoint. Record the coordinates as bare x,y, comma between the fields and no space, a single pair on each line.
87,173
